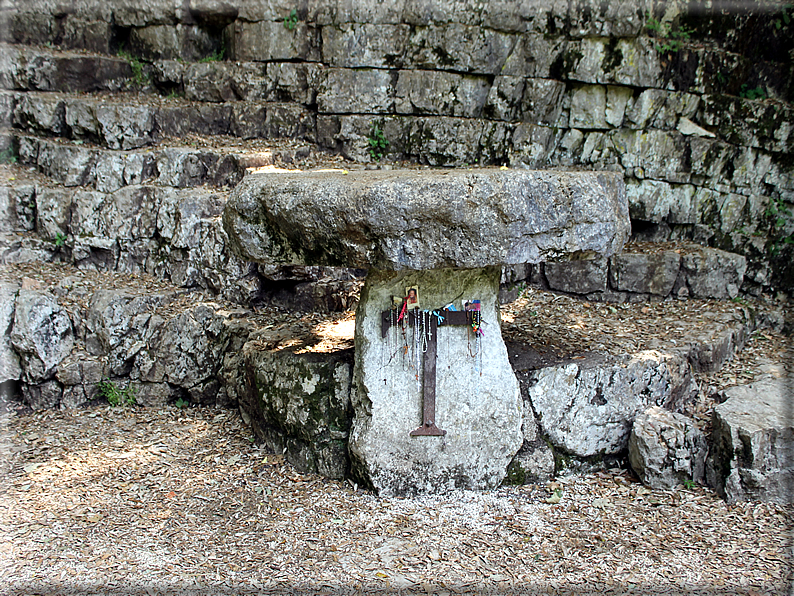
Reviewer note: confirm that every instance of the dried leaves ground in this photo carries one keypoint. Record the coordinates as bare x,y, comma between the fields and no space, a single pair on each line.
111,501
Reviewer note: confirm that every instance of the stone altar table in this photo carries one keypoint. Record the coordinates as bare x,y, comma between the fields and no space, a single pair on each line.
446,233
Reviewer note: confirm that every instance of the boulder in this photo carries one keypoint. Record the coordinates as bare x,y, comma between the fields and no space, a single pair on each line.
587,409
42,335
477,401
396,220
752,455
299,404
666,449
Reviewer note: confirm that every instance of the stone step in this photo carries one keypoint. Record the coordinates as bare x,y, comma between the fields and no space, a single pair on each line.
26,68
179,163
642,271
173,234
169,343
131,121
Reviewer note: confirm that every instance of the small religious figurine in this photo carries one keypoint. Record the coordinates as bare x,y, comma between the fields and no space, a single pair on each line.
412,297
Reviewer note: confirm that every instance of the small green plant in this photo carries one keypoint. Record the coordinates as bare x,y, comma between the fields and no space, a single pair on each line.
7,155
291,20
181,403
757,93
216,56
60,240
138,76
780,217
689,484
377,142
670,39
117,396
784,19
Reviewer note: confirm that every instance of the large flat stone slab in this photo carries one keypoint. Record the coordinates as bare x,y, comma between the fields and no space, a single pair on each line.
478,402
418,219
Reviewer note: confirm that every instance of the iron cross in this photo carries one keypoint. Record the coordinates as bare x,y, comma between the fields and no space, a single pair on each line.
447,317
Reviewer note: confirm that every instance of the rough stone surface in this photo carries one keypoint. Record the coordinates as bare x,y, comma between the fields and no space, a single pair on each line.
666,449
578,277
587,409
713,273
42,334
9,361
645,273
753,443
300,405
477,398
410,220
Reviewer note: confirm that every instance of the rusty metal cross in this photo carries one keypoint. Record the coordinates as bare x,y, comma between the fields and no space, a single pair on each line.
448,317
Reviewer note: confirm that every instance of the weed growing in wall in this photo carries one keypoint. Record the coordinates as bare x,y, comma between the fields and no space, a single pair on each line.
216,56
781,218
7,156
377,142
757,93
138,76
291,21
671,39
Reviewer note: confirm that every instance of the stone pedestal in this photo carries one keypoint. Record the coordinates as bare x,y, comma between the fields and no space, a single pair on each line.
477,396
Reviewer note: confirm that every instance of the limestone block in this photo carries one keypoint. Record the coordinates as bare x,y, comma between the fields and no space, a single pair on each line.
301,403
753,443
264,41
356,45
73,166
42,334
590,18
17,208
443,93
172,41
752,123
654,273
587,409
9,361
40,113
477,398
577,277
221,82
345,90
588,107
542,101
459,48
504,98
295,82
656,201
537,55
653,153
616,101
127,214
152,395
666,449
425,220
43,396
713,273
711,158
531,145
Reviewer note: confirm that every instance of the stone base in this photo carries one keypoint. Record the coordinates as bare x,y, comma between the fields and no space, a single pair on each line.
478,402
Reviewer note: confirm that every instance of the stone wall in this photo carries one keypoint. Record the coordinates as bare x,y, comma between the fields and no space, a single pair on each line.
692,105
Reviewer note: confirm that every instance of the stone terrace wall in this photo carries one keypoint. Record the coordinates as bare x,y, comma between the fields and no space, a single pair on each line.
692,106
